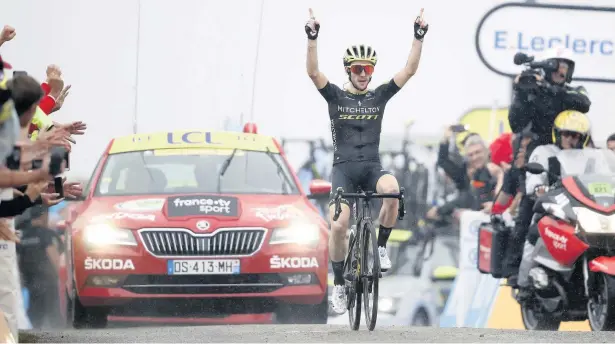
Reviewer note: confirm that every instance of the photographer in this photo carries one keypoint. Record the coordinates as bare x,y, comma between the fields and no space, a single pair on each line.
540,94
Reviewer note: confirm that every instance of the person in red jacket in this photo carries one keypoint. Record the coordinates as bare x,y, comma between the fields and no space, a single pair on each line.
55,93
502,155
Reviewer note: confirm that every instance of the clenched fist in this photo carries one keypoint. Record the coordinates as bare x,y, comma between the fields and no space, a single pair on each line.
7,34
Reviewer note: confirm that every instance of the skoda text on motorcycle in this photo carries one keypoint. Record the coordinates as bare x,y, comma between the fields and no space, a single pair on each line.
572,271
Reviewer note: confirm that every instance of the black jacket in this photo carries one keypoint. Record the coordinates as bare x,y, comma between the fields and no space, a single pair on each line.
537,112
18,204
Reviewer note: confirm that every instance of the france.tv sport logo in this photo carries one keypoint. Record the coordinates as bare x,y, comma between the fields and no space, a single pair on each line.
203,205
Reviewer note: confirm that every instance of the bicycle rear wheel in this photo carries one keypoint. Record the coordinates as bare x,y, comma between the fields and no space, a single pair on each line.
370,272
353,292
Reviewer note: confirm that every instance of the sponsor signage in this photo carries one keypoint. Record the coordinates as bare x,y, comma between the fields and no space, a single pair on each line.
203,205
277,262
587,33
108,264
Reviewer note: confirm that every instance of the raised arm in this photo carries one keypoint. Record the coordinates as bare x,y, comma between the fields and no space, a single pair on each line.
312,27
420,29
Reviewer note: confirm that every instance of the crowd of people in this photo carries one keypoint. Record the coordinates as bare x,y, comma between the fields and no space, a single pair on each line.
34,154
546,116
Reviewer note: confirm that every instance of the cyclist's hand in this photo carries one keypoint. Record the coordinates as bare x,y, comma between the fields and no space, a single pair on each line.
420,27
312,27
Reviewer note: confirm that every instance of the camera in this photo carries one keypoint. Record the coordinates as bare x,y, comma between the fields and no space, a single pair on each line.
13,161
527,79
58,156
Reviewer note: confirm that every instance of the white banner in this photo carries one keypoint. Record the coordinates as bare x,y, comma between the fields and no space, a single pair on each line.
466,292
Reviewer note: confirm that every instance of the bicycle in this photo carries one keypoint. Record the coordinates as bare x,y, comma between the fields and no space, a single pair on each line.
358,283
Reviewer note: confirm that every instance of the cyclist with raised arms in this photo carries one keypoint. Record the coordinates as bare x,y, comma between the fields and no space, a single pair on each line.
356,119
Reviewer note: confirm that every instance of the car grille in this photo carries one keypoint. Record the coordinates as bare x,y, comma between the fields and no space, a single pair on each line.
210,284
184,243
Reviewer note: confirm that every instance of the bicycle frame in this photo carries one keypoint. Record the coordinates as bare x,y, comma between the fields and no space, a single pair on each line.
355,278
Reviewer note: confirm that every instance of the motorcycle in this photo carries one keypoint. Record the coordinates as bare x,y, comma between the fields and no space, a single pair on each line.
571,271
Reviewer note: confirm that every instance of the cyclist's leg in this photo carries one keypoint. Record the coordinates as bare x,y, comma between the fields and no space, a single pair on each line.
338,243
384,182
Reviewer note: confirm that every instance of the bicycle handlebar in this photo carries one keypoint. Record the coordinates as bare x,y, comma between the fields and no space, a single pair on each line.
369,195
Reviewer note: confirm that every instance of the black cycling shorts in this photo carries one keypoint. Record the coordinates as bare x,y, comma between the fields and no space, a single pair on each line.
352,175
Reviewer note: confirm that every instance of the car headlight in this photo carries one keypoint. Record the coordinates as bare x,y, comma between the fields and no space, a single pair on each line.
104,235
301,234
388,305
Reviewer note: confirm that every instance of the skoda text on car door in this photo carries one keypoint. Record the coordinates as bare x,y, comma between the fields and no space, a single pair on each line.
208,225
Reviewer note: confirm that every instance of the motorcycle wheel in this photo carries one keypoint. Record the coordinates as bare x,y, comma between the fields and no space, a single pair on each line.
601,304
536,319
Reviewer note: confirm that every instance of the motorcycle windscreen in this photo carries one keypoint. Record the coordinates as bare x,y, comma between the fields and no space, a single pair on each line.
595,170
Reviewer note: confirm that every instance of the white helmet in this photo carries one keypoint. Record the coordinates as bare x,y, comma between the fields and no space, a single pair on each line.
561,54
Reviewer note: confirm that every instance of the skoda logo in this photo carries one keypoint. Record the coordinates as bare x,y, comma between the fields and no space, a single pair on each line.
202,225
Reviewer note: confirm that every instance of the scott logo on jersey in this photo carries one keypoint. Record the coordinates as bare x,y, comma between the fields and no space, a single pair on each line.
345,116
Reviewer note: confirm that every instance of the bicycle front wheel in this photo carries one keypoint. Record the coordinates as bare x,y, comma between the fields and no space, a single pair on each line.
353,293
370,266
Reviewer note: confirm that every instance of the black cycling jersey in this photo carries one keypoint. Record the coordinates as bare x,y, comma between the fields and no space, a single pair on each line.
356,121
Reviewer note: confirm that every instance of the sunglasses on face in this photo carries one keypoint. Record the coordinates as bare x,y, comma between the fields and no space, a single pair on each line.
358,69
571,134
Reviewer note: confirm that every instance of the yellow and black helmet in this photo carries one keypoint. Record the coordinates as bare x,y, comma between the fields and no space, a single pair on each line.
360,53
571,121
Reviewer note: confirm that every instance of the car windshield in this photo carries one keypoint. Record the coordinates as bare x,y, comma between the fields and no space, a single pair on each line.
172,171
576,162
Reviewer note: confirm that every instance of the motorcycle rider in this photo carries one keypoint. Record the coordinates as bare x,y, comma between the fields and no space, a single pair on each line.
533,110
571,130
356,118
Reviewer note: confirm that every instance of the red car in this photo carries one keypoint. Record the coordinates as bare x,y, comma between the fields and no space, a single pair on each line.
195,226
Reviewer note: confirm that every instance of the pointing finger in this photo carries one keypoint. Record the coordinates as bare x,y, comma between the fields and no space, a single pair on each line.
421,15
311,14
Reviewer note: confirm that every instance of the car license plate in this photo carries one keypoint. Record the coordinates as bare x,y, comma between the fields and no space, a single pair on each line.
203,267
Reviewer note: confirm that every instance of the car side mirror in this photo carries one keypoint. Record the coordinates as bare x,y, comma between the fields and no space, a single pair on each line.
319,188
534,168
444,273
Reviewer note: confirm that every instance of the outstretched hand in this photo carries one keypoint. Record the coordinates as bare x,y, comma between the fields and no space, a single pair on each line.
420,26
312,27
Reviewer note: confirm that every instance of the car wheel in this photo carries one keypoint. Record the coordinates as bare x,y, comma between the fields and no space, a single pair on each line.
80,317
420,319
303,314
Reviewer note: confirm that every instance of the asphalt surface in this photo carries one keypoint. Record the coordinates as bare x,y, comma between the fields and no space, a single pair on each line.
307,334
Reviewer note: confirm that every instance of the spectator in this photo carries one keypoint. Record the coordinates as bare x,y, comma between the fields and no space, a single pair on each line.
39,262
610,142
476,178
